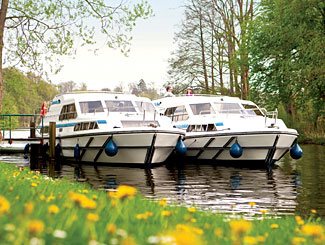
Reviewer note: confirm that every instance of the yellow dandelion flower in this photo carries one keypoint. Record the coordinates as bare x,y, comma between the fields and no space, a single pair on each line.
85,191
193,220
298,240
35,226
141,216
197,231
95,197
263,211
162,203
250,240
35,177
42,197
29,207
252,203
111,228
301,222
125,191
4,205
218,232
191,210
37,172
50,198
298,218
128,241
312,230
166,213
53,209
313,211
181,227
82,200
33,184
274,226
185,237
261,239
92,217
240,226
11,188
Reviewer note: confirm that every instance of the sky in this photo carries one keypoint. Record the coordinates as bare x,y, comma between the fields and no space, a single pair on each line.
151,47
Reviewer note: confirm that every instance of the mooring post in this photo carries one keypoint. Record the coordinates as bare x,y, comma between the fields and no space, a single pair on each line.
32,129
52,131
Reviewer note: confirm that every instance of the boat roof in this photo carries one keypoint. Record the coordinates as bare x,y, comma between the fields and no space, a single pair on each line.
179,100
96,95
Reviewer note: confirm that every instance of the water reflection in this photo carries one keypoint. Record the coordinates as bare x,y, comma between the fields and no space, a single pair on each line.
292,187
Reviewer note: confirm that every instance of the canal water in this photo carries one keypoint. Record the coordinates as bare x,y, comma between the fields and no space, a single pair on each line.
291,187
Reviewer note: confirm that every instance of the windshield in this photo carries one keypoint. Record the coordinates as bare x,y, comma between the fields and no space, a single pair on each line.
228,108
91,106
147,106
120,106
202,109
252,110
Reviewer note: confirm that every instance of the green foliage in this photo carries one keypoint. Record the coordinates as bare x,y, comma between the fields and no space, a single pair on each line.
24,95
288,58
38,32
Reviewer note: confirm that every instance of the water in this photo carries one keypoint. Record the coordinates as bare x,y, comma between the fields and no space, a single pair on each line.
292,187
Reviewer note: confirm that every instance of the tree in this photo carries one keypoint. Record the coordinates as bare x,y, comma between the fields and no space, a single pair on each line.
34,33
212,44
67,87
288,56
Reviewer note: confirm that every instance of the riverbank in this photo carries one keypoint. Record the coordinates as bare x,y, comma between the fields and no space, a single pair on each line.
37,209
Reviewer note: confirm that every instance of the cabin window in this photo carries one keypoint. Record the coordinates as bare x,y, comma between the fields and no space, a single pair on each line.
85,126
120,106
178,113
228,108
252,110
91,106
68,112
202,109
147,106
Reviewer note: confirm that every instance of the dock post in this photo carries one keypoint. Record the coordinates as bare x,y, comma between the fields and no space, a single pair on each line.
32,129
52,131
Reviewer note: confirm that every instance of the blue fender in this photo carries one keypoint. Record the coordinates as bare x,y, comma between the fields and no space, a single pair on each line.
180,147
76,152
111,148
296,152
236,150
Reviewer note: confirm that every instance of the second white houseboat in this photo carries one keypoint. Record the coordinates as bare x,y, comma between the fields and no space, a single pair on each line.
226,128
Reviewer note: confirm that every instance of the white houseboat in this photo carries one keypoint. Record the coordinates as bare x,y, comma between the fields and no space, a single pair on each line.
106,128
227,128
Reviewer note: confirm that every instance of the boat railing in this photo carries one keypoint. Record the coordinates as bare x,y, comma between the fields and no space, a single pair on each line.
16,122
271,115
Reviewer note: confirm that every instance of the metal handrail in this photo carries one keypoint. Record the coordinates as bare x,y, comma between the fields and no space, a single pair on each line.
9,127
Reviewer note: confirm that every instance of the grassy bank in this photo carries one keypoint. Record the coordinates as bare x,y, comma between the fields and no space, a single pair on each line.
35,209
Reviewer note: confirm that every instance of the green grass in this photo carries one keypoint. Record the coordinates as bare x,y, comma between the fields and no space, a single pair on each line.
35,209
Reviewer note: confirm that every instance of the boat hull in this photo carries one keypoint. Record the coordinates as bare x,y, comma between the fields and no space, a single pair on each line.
135,147
266,147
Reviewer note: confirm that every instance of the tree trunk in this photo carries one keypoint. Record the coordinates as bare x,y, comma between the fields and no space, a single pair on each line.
203,56
3,13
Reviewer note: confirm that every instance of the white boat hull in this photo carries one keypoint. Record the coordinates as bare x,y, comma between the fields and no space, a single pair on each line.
257,146
138,147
